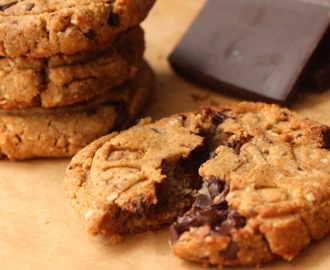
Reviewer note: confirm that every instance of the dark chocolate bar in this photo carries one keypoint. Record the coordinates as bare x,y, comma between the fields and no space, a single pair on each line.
255,49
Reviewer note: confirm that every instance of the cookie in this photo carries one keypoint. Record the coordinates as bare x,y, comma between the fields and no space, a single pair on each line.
136,180
66,79
62,131
37,28
258,176
266,188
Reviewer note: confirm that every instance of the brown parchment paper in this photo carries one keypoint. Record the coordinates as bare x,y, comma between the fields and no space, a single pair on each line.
40,230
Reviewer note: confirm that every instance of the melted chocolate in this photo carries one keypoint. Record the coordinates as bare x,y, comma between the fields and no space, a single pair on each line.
211,217
215,186
202,202
221,219
221,204
237,221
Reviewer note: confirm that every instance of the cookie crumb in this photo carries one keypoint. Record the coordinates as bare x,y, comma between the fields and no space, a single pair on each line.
115,239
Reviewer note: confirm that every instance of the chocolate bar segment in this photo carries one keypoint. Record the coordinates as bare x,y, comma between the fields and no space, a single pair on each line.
256,49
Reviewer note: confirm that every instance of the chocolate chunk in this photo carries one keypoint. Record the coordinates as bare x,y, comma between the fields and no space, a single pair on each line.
222,222
231,252
253,49
326,138
215,186
218,118
174,234
136,207
114,19
90,34
30,7
202,201
6,6
217,215
236,220
220,204
209,217
233,221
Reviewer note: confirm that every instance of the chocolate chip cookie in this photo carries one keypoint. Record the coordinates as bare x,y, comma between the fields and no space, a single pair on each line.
135,180
255,176
66,79
62,131
38,28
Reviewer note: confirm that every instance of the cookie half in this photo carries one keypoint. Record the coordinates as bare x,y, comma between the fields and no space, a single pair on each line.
263,171
136,180
38,28
62,131
266,187
67,79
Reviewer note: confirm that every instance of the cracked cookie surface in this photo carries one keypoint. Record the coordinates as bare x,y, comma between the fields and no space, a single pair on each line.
66,79
62,131
135,180
263,170
38,28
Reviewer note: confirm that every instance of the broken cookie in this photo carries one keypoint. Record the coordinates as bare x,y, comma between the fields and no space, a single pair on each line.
255,177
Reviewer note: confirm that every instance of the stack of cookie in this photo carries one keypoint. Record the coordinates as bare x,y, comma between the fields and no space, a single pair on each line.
71,71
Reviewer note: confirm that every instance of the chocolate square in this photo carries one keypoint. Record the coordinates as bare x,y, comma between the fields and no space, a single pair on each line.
254,49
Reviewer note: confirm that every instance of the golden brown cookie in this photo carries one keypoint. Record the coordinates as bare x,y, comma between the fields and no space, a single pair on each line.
38,28
62,131
263,170
66,79
135,180
266,187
